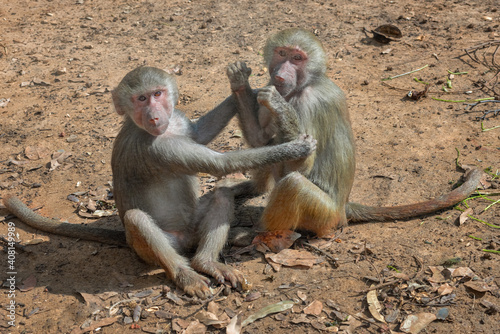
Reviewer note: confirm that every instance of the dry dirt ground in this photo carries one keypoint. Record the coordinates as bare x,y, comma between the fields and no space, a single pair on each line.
60,59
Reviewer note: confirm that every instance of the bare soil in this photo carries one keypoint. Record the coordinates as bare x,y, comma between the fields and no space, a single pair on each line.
59,60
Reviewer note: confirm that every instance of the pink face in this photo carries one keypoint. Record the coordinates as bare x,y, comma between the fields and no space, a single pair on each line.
152,110
287,69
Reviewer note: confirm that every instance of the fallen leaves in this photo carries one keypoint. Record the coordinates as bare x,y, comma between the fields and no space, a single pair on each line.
58,159
293,258
276,240
465,215
36,152
314,308
279,243
94,203
414,323
374,305
102,323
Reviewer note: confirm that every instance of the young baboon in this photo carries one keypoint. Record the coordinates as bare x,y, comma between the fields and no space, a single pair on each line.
312,193
155,159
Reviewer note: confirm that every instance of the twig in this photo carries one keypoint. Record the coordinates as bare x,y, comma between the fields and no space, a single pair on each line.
457,73
430,90
360,318
421,270
400,75
491,64
473,55
466,101
381,285
365,252
331,258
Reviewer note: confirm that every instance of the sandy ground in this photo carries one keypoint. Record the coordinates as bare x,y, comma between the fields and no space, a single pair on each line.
60,60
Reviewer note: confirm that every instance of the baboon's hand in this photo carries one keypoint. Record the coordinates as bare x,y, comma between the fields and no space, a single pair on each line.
238,74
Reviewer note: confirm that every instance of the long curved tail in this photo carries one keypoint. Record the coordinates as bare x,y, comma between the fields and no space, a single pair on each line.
358,213
26,215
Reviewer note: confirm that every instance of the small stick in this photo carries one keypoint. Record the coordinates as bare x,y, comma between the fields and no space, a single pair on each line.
331,258
421,265
400,75
485,100
465,101
381,285
457,73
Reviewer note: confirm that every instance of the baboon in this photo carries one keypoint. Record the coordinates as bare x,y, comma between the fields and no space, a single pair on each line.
312,193
155,159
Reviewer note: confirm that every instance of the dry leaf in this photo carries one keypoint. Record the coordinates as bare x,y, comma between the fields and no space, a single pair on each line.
321,243
437,275
349,326
179,324
445,289
262,248
481,286
277,240
464,216
237,134
301,319
141,294
234,326
96,325
401,276
36,152
107,295
209,318
214,308
462,272
414,323
270,309
164,314
301,295
93,301
374,305
53,165
61,155
35,241
293,257
173,297
195,327
253,296
314,308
